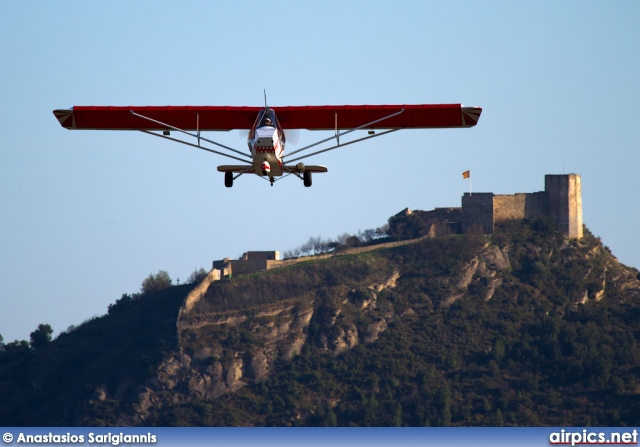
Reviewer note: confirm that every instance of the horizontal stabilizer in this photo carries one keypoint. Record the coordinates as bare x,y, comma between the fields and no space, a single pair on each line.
314,168
305,168
237,168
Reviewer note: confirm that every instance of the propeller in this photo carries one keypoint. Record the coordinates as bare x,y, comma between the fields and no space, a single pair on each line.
292,136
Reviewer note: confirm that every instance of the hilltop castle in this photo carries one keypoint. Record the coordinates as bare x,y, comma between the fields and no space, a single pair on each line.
251,261
561,201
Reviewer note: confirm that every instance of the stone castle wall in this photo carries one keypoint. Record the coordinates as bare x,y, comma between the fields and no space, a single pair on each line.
519,206
251,261
561,201
261,256
565,202
477,212
442,221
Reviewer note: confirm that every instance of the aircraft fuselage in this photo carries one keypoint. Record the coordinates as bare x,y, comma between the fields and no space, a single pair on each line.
266,142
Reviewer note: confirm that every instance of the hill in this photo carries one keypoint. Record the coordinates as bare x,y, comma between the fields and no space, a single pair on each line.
524,327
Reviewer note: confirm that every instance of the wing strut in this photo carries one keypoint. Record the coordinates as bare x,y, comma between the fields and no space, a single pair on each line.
338,135
344,144
243,172
196,146
168,126
198,126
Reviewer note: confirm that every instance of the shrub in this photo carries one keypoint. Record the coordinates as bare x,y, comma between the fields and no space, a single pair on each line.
197,276
41,336
156,283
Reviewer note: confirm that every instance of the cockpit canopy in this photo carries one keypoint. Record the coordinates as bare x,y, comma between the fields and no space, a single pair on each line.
267,117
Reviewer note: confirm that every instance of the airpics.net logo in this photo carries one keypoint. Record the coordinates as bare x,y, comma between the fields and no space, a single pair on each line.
587,437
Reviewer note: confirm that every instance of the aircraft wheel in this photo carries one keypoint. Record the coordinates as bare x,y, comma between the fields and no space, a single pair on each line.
228,179
307,178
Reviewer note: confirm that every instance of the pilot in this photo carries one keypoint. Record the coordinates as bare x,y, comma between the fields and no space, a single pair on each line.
266,121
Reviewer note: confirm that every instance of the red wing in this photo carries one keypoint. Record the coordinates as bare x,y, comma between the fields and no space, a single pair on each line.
349,117
291,117
182,117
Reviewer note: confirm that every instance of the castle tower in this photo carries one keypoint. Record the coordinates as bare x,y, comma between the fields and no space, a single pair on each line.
564,199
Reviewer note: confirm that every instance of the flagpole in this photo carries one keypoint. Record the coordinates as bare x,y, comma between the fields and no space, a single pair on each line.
467,174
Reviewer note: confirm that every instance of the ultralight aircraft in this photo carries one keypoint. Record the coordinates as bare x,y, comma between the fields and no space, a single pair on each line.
266,140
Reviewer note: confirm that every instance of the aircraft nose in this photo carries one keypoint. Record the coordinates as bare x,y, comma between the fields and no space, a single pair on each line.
266,135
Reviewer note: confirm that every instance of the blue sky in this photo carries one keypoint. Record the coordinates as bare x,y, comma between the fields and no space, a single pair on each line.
85,216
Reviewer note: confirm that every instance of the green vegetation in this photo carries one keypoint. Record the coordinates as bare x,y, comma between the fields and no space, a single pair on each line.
407,226
196,276
41,336
316,245
156,283
531,355
65,381
521,328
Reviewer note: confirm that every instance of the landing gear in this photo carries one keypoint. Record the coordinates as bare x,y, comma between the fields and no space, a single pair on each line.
306,176
228,179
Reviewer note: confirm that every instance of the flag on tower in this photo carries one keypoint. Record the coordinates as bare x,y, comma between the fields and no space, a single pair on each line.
466,174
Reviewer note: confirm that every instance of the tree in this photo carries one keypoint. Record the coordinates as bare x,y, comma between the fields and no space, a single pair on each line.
368,236
197,276
499,418
41,336
16,346
120,304
306,248
382,231
156,283
397,416
498,350
342,239
319,245
408,226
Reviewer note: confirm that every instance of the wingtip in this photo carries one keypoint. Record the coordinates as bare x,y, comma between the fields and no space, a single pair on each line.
63,115
471,116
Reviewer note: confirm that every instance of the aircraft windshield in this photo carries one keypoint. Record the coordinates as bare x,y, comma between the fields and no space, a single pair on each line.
267,117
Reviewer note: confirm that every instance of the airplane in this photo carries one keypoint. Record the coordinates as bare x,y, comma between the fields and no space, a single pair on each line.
266,139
